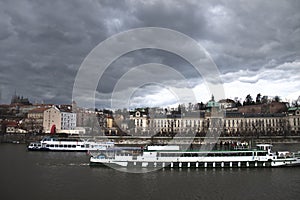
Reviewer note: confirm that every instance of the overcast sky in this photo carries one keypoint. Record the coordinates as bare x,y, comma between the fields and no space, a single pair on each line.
255,45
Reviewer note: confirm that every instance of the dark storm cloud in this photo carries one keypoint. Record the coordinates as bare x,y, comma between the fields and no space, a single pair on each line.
133,59
43,43
256,32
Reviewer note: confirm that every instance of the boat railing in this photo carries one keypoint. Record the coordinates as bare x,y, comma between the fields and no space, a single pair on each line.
241,148
285,154
297,154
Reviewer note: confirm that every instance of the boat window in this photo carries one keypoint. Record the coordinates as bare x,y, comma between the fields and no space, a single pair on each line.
61,145
51,145
261,153
74,146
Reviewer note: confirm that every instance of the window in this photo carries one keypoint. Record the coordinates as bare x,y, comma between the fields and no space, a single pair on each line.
261,153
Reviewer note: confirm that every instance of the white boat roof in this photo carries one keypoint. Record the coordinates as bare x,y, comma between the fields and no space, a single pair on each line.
264,145
157,148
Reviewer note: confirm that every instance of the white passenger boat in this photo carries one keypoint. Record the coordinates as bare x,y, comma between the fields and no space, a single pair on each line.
172,156
68,144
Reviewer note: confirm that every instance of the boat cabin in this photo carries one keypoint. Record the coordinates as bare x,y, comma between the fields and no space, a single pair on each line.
163,148
264,147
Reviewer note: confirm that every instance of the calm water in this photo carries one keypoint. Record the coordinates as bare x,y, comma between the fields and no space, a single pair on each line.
65,175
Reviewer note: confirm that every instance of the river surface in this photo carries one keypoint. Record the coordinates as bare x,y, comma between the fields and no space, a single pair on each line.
67,175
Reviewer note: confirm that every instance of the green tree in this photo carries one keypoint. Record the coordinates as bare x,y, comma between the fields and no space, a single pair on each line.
248,100
258,98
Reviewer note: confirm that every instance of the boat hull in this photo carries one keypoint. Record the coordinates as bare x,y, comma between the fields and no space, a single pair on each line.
220,164
48,149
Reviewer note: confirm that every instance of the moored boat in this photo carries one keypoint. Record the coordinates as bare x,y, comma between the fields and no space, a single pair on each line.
172,156
68,144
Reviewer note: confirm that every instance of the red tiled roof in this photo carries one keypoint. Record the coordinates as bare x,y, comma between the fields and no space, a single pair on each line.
38,110
12,124
4,106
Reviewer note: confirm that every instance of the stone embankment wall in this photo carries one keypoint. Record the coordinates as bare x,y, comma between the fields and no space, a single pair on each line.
26,138
19,138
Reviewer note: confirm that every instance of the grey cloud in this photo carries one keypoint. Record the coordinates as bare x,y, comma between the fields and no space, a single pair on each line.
133,59
43,43
285,72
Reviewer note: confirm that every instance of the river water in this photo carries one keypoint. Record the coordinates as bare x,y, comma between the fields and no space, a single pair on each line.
67,175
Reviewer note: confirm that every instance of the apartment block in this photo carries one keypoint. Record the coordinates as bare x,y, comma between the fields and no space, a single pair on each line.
60,117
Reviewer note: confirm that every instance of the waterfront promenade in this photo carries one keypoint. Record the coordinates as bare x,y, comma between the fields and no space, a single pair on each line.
140,140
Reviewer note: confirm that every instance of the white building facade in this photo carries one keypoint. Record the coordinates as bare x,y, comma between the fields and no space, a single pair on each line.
62,119
68,120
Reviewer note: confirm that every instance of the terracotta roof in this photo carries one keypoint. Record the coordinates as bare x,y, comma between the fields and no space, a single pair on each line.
38,110
12,124
4,106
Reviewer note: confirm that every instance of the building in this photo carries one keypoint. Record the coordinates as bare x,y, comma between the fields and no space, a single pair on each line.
35,119
140,119
227,103
20,100
68,119
60,117
294,120
230,123
261,124
52,118
177,123
11,127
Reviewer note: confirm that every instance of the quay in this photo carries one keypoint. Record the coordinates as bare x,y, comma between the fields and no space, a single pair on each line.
140,140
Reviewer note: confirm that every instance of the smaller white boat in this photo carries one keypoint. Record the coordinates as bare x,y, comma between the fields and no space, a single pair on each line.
68,144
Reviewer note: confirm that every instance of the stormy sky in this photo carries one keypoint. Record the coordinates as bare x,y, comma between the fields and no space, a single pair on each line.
255,45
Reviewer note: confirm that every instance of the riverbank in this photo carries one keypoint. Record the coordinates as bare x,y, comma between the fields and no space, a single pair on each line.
19,138
131,140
